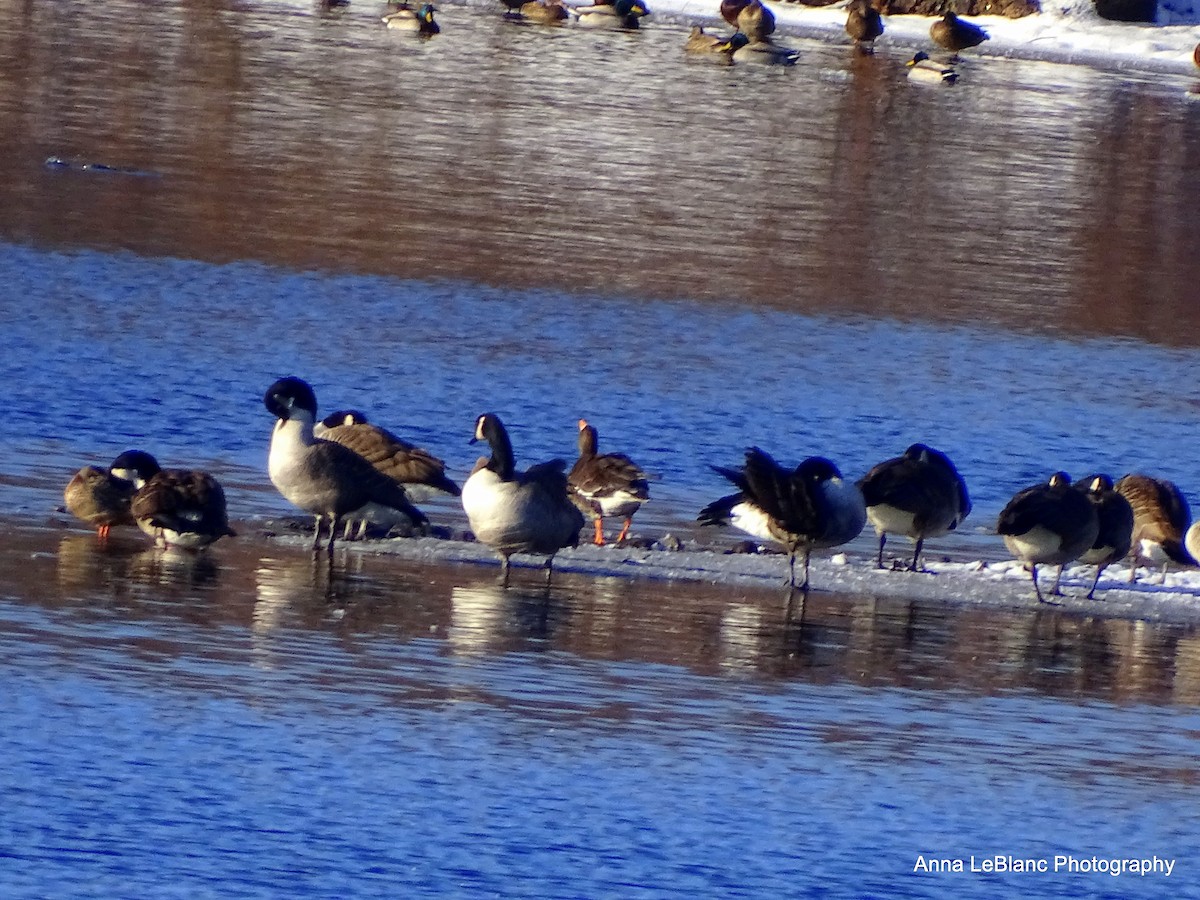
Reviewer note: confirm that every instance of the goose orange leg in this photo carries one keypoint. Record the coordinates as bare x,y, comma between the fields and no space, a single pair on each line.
625,530
102,533
598,540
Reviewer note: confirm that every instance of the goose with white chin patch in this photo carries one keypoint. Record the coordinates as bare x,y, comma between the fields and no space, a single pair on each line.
518,512
321,477
809,508
177,507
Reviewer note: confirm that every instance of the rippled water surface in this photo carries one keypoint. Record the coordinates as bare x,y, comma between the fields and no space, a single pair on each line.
549,224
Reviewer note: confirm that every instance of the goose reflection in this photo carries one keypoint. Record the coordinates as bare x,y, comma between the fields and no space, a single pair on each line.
87,567
174,568
487,618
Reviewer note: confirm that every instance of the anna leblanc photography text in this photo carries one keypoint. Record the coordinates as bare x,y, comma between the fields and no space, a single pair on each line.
1062,864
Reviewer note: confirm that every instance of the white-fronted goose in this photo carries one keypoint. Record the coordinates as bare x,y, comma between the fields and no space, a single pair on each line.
919,495
518,512
180,508
321,477
606,484
1114,516
101,497
1160,521
809,508
1048,523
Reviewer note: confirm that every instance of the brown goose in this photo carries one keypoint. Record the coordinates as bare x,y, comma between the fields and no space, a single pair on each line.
101,497
1160,520
805,509
606,484
322,477
955,34
918,495
518,512
181,508
1115,518
863,24
1048,523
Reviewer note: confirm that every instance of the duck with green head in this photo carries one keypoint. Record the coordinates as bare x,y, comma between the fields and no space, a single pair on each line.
420,22
621,14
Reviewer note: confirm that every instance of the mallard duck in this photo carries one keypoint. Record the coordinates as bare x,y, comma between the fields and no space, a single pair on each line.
809,508
763,53
619,14
321,477
955,34
181,508
101,497
421,21
1160,521
755,21
518,512
544,12
1115,518
922,68
717,48
919,495
1049,523
606,484
863,24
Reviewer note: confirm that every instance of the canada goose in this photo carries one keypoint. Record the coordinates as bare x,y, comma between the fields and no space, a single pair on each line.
955,34
918,495
543,12
810,508
334,419
322,477
1048,523
619,14
518,512
863,24
1115,519
181,508
101,497
922,68
765,53
1191,541
421,21
606,484
1160,520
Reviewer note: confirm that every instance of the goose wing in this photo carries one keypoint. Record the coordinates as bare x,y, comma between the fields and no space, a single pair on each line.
392,456
183,501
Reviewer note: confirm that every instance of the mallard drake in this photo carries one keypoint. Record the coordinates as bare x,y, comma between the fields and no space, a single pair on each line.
181,508
619,14
1160,521
518,512
1115,518
606,484
763,53
863,24
955,34
922,68
1049,523
101,497
809,508
919,495
322,477
421,21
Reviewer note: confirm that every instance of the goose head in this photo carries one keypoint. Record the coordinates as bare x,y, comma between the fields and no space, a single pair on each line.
291,398
135,466
488,427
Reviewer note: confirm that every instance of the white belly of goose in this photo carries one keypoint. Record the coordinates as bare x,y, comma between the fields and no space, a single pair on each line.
1038,545
512,518
752,520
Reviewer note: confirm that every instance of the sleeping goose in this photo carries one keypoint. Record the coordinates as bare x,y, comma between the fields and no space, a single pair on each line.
919,495
518,512
955,34
606,484
321,477
1048,523
1160,519
180,508
1114,516
101,497
809,508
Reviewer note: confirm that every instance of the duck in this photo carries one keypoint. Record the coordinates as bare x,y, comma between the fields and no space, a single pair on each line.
918,494
543,12
619,14
322,477
101,497
922,68
518,512
1115,518
182,508
809,508
755,21
1160,521
606,484
421,21
1049,523
763,53
955,34
863,24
